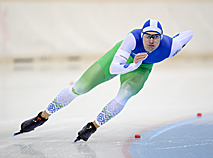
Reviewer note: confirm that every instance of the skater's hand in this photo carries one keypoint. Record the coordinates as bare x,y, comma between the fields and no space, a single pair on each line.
139,57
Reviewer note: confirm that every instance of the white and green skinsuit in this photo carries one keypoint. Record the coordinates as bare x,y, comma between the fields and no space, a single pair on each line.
120,61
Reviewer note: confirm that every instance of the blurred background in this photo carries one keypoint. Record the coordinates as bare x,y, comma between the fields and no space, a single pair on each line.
55,29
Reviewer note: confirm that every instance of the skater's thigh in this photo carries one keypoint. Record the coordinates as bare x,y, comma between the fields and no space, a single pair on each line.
93,76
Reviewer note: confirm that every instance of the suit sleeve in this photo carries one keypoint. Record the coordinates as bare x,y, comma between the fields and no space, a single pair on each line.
179,41
118,65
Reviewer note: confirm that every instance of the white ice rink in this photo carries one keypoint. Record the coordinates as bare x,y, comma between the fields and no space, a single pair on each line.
163,113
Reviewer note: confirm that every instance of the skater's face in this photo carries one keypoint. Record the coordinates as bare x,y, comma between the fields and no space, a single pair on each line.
151,41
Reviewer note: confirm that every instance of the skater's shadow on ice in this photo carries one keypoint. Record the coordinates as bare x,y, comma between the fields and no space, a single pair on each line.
27,149
85,150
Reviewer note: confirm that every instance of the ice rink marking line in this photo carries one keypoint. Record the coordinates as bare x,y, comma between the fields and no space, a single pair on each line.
171,127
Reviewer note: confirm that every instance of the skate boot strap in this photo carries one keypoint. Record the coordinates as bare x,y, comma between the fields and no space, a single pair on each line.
89,126
87,131
93,126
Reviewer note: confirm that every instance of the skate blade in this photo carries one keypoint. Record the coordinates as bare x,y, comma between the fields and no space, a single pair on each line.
77,139
15,134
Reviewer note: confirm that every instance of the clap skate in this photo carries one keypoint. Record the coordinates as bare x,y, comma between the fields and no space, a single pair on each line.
86,132
31,124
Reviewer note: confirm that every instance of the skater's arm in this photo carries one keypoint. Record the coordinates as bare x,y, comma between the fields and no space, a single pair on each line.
118,65
179,41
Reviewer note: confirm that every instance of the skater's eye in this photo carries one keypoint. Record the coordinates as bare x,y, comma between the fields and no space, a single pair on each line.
149,36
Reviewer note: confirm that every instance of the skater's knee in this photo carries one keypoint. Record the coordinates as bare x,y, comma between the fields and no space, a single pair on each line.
82,89
132,86
127,90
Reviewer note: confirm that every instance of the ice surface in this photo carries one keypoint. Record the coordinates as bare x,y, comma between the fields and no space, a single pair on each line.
175,91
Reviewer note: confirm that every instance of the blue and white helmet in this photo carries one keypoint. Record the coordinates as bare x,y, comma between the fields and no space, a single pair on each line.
152,25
